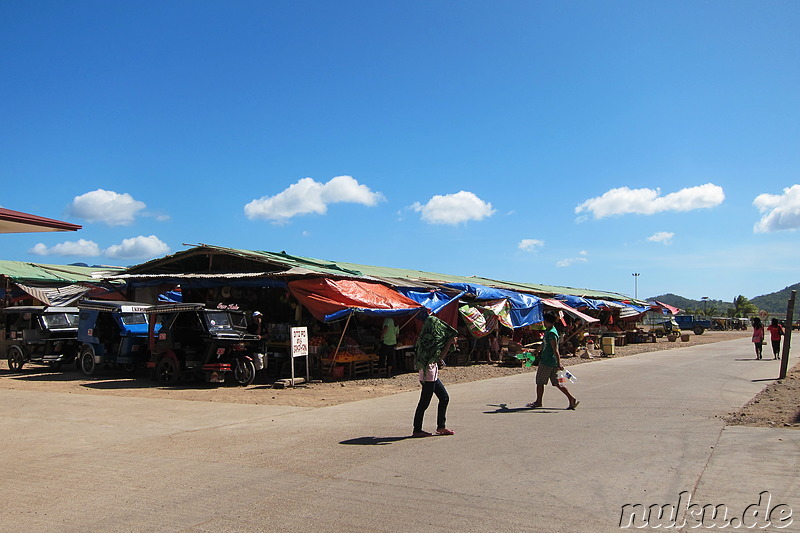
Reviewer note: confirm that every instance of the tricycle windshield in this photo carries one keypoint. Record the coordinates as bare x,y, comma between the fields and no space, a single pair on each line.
218,320
130,319
60,320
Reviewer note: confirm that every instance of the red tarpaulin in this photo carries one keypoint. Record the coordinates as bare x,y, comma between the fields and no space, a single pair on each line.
326,299
18,222
574,312
673,310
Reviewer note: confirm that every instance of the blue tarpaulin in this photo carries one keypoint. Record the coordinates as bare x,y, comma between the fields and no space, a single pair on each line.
435,301
526,309
578,302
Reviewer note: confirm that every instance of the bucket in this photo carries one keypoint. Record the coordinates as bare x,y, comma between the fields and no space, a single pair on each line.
608,345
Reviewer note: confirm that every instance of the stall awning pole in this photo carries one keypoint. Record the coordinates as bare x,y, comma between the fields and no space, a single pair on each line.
344,330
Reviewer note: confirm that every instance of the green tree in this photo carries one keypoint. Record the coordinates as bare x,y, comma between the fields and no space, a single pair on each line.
743,307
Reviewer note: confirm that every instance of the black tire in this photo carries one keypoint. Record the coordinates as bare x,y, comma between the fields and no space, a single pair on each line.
16,358
87,364
167,371
244,372
698,330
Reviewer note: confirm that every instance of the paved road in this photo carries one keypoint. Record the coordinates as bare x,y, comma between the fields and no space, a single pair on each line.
648,429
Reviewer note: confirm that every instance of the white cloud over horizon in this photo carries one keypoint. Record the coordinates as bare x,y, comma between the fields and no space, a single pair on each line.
310,196
780,211
624,201
81,248
583,257
140,247
105,206
664,237
453,209
530,245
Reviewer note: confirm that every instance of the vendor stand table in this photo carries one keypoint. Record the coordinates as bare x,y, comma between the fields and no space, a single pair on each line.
354,364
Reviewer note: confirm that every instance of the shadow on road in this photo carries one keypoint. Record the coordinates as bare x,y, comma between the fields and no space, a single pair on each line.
503,408
374,441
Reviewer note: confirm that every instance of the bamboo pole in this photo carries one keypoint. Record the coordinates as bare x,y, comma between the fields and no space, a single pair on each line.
344,330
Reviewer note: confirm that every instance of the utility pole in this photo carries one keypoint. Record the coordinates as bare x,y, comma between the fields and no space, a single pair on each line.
635,285
787,339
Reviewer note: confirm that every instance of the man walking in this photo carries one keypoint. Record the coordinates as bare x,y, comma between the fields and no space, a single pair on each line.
550,364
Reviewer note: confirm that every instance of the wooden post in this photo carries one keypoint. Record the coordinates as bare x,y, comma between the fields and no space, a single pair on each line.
787,339
333,359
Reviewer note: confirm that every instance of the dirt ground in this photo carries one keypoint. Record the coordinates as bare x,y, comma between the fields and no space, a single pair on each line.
777,405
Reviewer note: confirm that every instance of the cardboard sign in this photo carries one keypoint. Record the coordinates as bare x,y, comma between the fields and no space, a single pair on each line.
299,342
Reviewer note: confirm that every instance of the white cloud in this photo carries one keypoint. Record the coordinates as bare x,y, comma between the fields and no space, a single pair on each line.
582,258
140,247
109,207
310,196
664,237
624,201
81,248
781,212
530,245
454,209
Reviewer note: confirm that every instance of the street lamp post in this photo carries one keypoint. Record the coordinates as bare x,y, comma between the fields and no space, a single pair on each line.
635,285
705,300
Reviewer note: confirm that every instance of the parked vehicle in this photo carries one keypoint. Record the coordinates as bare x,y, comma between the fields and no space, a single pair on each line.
207,344
39,334
112,333
694,323
660,324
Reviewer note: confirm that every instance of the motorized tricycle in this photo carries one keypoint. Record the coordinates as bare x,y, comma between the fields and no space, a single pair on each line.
112,333
39,334
208,344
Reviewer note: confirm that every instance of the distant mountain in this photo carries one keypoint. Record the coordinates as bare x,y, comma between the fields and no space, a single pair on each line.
685,303
774,303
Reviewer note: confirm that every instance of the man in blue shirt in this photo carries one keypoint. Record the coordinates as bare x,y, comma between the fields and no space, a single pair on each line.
550,364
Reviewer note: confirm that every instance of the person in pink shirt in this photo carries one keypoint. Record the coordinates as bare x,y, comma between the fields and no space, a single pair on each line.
758,336
775,333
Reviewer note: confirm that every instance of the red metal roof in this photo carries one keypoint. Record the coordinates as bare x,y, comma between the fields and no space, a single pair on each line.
18,222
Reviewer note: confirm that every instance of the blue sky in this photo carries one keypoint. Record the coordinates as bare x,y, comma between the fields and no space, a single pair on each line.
565,143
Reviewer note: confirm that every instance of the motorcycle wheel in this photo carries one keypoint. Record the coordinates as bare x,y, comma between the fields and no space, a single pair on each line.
15,358
88,365
167,371
244,372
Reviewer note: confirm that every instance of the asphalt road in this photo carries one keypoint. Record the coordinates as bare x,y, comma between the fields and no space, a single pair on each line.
648,428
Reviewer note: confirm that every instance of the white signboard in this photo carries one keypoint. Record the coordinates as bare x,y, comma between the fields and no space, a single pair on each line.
300,349
299,342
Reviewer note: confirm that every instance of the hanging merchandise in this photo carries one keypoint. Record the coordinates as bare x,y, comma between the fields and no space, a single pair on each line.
501,309
476,321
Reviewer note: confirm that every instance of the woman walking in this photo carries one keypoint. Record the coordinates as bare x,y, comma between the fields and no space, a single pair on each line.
433,343
758,336
775,333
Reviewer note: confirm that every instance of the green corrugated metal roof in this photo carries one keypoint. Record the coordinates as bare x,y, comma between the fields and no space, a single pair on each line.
36,272
340,268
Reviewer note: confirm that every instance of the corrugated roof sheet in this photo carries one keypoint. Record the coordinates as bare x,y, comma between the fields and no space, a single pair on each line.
394,276
36,272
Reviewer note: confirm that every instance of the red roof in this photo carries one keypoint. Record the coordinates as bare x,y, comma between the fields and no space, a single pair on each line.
18,222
